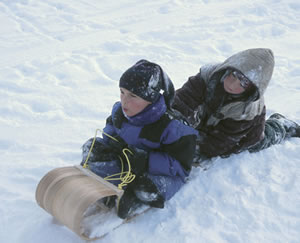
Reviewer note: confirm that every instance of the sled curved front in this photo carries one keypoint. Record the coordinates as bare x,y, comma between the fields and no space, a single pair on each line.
66,193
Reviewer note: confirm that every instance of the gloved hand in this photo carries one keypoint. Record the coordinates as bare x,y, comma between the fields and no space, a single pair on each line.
100,152
138,160
117,147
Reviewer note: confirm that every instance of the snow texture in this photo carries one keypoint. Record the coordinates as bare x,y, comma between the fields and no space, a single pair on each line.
154,80
60,65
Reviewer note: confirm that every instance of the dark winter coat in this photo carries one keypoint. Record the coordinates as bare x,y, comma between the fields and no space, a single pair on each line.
227,124
170,143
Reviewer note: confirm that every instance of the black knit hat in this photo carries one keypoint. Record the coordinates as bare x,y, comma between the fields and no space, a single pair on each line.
147,80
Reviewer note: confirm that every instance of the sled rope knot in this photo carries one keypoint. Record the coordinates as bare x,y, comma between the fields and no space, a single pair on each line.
125,177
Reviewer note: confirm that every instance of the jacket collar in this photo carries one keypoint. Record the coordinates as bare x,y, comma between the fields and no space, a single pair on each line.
150,114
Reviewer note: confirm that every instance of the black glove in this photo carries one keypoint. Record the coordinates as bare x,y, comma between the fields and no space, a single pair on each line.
138,160
117,146
100,152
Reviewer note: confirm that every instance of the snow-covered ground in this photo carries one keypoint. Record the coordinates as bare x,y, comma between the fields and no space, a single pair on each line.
59,69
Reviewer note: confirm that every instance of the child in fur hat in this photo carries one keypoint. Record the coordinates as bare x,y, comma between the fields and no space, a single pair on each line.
161,147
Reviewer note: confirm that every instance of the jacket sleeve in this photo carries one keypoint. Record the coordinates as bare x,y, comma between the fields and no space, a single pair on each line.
231,136
190,96
100,150
114,120
109,129
175,156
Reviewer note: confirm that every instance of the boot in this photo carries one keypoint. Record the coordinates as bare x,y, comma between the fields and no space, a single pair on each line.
292,128
146,191
128,204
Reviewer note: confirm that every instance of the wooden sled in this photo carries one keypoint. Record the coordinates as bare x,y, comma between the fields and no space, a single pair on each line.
66,193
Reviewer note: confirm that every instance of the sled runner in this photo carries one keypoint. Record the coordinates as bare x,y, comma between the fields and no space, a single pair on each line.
67,193
98,223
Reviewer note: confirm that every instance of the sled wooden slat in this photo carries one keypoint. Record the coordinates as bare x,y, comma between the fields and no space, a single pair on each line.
66,193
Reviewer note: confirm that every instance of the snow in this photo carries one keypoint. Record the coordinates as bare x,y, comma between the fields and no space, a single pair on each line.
106,219
59,69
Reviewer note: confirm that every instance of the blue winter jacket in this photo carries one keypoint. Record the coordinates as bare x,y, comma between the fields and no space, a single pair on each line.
170,143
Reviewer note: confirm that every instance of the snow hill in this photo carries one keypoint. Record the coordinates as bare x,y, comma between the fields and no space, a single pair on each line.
59,69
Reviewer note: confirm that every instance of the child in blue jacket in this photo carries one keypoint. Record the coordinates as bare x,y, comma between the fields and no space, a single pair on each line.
161,146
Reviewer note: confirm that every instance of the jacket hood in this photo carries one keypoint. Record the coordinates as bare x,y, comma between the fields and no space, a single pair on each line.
256,64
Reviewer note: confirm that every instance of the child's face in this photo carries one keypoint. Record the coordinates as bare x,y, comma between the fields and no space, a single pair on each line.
232,85
131,103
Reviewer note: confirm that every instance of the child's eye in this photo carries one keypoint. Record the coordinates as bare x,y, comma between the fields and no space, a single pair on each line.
133,96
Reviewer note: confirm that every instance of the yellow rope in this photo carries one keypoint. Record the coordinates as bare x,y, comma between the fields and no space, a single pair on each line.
128,175
85,165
